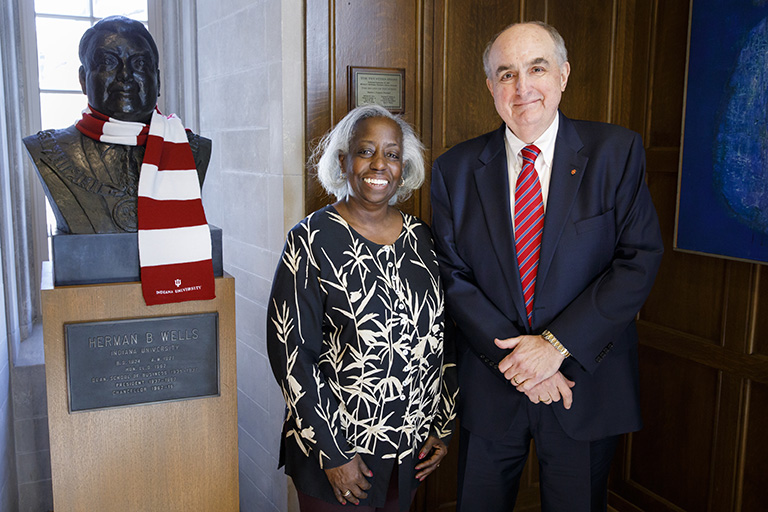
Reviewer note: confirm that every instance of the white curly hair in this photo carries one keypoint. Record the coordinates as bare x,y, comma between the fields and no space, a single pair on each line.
336,142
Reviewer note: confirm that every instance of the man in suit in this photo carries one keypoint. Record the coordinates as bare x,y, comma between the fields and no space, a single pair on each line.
544,307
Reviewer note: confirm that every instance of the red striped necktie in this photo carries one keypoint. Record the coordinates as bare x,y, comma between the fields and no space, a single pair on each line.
529,223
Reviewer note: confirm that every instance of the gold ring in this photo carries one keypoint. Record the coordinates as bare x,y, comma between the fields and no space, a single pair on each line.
347,493
514,379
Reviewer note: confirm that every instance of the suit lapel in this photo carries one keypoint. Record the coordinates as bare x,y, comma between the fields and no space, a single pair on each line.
567,172
492,182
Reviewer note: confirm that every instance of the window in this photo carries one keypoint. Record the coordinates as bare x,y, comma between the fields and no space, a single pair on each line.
59,27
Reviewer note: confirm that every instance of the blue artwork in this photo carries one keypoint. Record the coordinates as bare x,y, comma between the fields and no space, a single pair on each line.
723,193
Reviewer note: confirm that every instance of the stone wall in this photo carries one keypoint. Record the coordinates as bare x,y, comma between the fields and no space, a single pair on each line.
251,106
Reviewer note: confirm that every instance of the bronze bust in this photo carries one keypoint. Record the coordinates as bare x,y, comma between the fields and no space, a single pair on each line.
92,185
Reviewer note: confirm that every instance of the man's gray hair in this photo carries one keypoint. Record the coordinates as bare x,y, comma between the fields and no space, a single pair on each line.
561,53
336,142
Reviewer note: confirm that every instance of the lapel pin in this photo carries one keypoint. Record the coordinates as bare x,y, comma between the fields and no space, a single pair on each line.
573,172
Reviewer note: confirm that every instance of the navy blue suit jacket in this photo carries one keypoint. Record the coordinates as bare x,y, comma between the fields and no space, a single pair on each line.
600,251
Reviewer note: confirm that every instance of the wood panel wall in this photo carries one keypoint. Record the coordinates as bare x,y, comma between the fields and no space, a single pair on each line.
368,33
704,329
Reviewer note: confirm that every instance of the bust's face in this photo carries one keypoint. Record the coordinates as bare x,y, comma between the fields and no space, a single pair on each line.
121,78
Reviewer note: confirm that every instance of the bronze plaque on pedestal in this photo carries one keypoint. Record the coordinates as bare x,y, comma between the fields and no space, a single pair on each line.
143,360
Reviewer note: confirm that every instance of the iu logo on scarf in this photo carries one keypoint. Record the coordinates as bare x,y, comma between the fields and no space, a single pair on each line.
174,238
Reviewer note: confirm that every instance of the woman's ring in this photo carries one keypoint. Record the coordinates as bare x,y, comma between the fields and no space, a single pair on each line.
347,493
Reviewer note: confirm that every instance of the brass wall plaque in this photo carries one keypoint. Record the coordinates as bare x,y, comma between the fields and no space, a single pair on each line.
381,86
143,360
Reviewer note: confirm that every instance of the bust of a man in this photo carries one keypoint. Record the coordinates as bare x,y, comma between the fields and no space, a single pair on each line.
92,185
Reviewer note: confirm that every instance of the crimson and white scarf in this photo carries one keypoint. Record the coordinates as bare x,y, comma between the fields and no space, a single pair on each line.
174,238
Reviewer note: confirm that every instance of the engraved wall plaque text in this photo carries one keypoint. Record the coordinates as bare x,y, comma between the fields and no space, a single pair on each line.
380,86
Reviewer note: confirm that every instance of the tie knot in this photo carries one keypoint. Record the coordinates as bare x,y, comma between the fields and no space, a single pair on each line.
530,153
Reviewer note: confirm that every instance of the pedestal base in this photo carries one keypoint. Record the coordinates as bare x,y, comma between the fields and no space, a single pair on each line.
170,456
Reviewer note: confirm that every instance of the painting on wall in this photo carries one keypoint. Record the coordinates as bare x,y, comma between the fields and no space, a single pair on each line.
722,206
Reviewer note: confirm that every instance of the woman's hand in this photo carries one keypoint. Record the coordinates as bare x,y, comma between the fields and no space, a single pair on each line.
348,481
438,449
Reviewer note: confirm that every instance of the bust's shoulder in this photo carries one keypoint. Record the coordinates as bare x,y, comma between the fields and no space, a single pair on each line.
201,150
198,142
62,137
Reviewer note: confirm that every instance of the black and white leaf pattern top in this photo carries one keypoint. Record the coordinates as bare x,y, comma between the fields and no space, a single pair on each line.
355,335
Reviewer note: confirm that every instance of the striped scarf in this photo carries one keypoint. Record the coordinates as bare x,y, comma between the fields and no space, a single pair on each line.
174,238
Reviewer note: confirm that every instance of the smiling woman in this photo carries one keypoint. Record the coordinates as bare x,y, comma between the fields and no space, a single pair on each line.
373,170
355,329
371,159
338,140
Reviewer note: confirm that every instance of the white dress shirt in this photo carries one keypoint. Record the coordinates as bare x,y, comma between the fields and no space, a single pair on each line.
543,164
